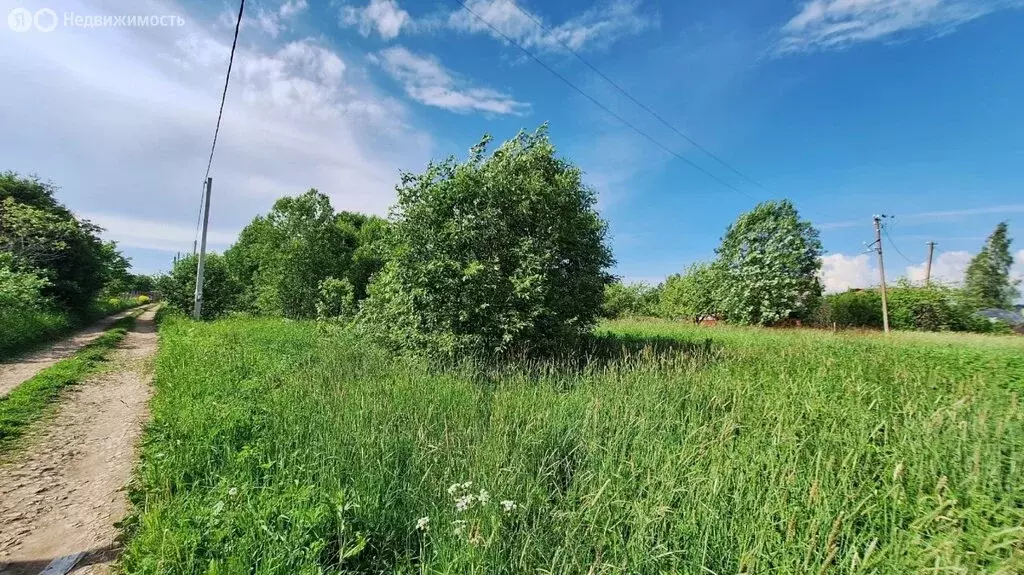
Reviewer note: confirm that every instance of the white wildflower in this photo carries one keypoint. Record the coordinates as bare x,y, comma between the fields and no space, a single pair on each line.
467,485
465,502
458,526
453,488
508,505
233,491
484,497
423,523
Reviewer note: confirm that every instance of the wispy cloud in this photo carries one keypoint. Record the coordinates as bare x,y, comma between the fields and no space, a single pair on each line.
928,217
836,24
427,81
596,28
269,21
383,16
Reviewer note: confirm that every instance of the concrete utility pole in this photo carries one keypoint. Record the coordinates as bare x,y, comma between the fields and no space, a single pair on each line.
928,266
197,309
881,269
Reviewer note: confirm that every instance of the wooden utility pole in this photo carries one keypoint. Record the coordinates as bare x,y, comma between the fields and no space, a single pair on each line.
881,270
197,308
928,266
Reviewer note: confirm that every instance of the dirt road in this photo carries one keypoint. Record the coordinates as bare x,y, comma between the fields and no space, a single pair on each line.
60,497
22,368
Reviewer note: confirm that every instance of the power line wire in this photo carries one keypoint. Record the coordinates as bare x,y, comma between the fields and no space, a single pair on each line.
220,113
885,231
631,98
603,107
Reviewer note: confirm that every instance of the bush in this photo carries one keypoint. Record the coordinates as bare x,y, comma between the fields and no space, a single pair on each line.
497,254
220,289
934,308
692,294
633,300
337,300
142,299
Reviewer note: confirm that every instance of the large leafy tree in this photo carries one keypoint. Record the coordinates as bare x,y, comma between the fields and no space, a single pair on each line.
691,294
43,237
630,300
284,256
769,261
988,282
499,253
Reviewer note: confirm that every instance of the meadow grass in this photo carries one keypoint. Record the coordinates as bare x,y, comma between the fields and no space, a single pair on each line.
29,401
278,447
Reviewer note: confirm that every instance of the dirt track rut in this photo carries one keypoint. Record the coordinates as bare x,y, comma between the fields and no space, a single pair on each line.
61,495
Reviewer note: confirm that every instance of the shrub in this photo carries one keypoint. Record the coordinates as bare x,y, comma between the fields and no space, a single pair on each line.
336,301
632,300
142,299
220,290
692,294
934,308
495,254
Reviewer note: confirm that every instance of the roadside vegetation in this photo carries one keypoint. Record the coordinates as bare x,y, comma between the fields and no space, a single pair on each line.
279,448
56,274
29,401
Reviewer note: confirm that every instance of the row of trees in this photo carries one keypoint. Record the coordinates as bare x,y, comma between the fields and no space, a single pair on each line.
499,253
766,272
503,252
53,265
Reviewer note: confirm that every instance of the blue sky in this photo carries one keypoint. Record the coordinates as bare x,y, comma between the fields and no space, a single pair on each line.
847,107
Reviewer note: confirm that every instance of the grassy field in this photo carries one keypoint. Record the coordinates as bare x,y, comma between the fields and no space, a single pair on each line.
278,448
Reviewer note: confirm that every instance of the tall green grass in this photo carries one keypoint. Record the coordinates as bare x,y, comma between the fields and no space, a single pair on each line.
277,448
24,329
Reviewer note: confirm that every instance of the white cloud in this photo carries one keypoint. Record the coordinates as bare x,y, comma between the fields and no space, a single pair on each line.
947,268
129,231
840,272
383,15
270,22
597,28
426,80
835,24
122,119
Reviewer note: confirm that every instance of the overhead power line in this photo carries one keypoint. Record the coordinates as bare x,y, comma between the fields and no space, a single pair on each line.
885,230
597,103
631,98
220,114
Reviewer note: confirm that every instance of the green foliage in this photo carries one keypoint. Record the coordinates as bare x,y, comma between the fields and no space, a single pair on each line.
220,289
769,261
632,300
933,308
499,253
277,448
43,237
283,257
337,300
691,295
28,402
987,280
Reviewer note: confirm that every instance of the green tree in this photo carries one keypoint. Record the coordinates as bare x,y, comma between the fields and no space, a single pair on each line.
691,294
284,256
629,300
43,237
987,280
499,253
769,261
337,300
220,289
368,256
